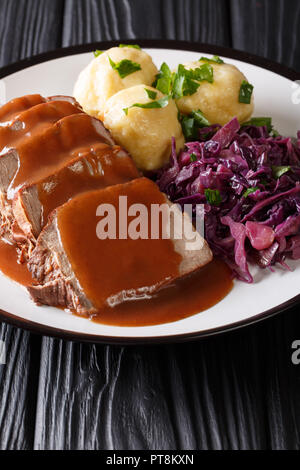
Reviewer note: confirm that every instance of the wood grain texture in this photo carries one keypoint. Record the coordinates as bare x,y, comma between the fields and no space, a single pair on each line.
235,391
18,388
27,27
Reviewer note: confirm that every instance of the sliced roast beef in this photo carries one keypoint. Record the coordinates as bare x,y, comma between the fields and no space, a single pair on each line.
10,110
43,154
88,263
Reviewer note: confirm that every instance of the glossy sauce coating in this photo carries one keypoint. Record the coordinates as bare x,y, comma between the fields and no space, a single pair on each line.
11,109
114,267
33,121
97,169
47,152
10,267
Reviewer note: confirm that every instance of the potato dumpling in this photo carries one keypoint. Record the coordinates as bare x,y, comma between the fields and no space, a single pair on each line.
219,101
99,80
145,133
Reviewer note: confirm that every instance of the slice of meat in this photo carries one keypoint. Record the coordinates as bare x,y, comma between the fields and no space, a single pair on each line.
104,166
37,157
10,110
48,151
77,267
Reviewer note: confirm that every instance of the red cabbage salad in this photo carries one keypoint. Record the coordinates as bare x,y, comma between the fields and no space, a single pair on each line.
248,178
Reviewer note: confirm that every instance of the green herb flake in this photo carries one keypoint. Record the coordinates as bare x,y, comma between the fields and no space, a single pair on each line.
193,157
213,196
188,128
125,67
214,60
274,133
250,191
184,83
133,46
161,103
97,52
151,94
192,123
259,122
245,92
279,170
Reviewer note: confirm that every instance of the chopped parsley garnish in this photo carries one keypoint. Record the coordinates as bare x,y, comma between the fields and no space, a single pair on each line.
213,196
152,94
259,122
245,92
200,118
280,170
125,67
192,123
184,82
213,60
250,191
134,46
193,157
274,133
188,127
97,52
161,103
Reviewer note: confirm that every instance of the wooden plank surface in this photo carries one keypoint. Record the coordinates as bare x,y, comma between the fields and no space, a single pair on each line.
235,391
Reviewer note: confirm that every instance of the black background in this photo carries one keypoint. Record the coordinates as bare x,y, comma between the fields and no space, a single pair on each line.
235,391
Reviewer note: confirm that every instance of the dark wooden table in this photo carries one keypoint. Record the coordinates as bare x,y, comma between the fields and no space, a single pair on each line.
235,391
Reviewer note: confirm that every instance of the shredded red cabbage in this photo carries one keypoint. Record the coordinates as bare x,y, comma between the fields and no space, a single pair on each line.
257,175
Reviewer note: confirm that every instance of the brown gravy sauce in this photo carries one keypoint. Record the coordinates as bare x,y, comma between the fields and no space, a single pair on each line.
56,146
11,109
10,266
185,297
33,121
193,294
95,263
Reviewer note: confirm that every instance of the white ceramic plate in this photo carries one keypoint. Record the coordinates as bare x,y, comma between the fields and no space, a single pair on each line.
55,73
